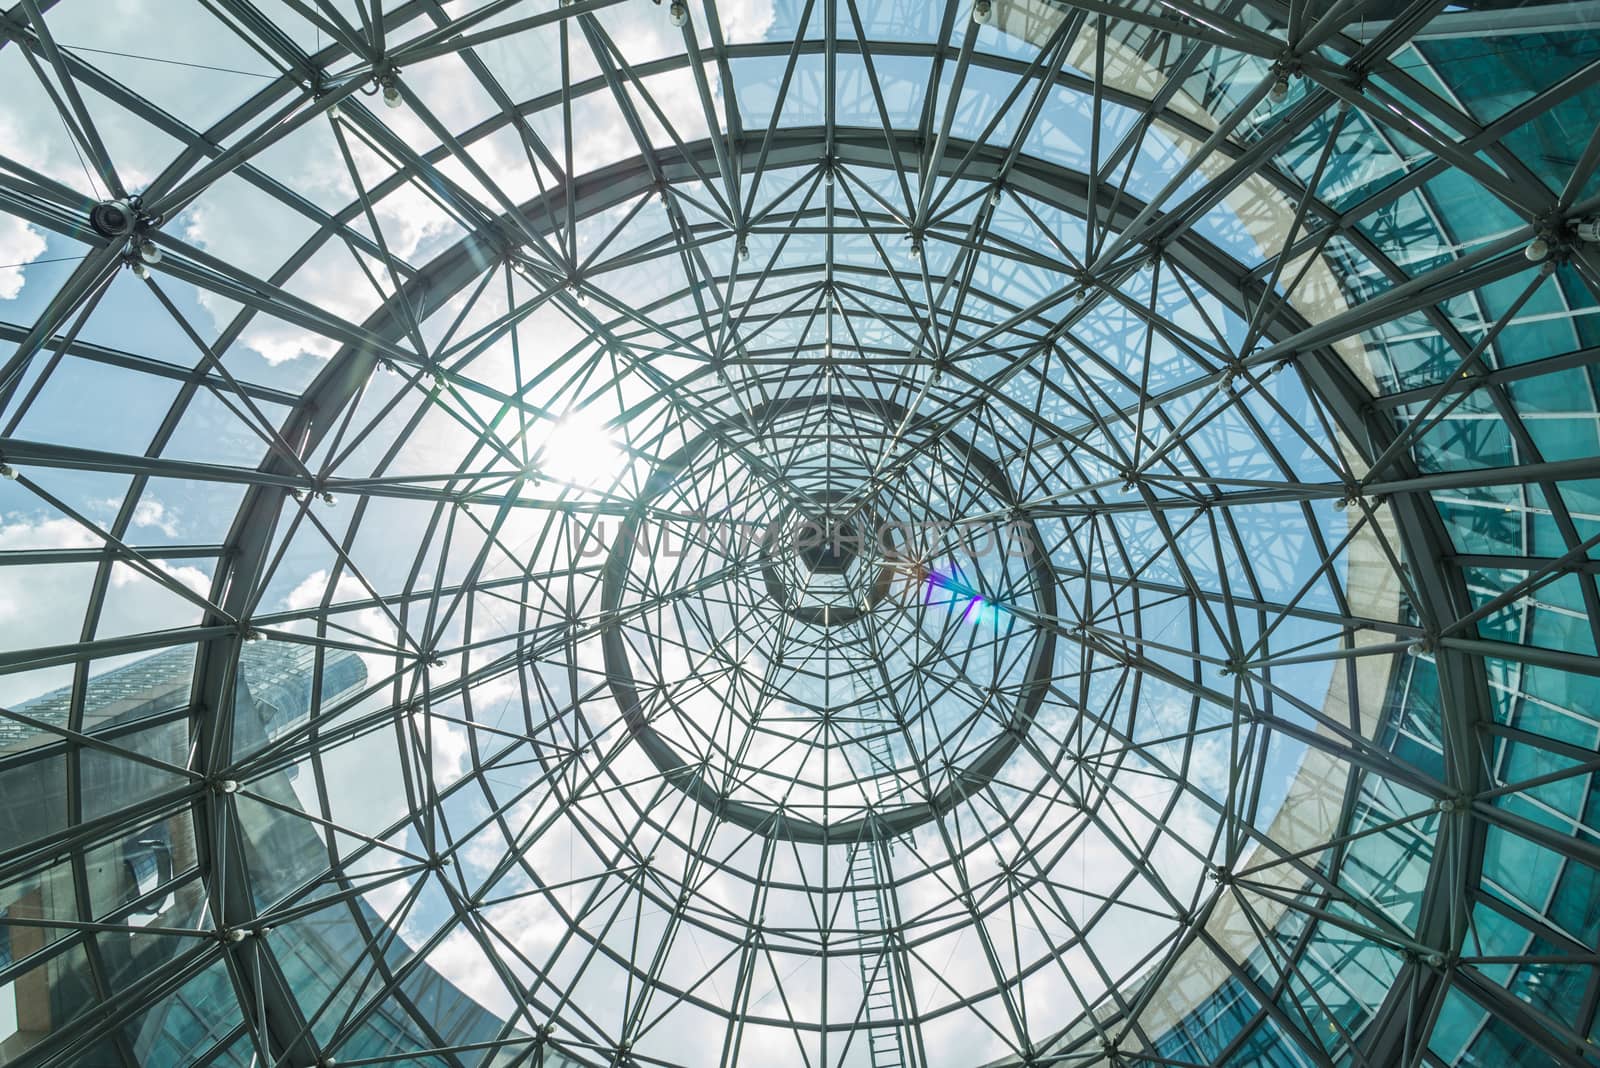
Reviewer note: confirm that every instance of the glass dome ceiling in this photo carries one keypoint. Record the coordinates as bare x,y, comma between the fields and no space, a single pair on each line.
799,533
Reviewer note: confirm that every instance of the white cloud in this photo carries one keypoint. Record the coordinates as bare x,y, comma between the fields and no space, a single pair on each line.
459,958
309,592
152,513
45,604
408,217
196,580
19,244
369,623
745,20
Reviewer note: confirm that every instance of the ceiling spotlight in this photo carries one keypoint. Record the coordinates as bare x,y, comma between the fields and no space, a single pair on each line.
827,174
1588,230
678,12
149,253
140,271
8,473
391,95
744,251
996,195
1280,89
916,249
982,11
113,218
1537,249
334,110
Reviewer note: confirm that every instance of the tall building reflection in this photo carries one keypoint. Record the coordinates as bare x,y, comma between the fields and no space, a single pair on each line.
142,879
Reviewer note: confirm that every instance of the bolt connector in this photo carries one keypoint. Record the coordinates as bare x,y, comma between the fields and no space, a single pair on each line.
1351,498
1282,71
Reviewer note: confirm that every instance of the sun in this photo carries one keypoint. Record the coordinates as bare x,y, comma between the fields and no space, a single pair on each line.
581,450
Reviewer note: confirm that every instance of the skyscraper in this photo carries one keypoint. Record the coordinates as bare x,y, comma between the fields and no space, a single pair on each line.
143,880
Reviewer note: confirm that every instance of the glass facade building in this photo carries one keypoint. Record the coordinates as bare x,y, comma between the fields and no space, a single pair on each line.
800,533
145,884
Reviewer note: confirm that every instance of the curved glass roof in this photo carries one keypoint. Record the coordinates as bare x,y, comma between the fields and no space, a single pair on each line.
799,533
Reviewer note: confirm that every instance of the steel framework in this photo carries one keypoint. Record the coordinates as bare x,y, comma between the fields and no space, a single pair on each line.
1231,308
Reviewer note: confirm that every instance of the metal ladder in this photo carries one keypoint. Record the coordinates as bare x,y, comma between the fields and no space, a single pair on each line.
884,1047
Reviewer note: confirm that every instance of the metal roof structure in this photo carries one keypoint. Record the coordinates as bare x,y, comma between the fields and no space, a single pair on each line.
799,533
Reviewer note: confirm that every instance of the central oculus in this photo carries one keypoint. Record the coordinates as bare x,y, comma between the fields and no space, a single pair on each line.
829,545
852,662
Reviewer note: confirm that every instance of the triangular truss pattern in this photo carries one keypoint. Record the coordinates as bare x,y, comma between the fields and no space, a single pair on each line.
799,533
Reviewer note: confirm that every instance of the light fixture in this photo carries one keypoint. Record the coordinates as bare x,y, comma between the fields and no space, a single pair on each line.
996,195
140,271
982,11
827,174
1537,249
149,253
334,110
113,218
1280,89
916,248
8,473
1588,230
391,95
678,12
744,251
